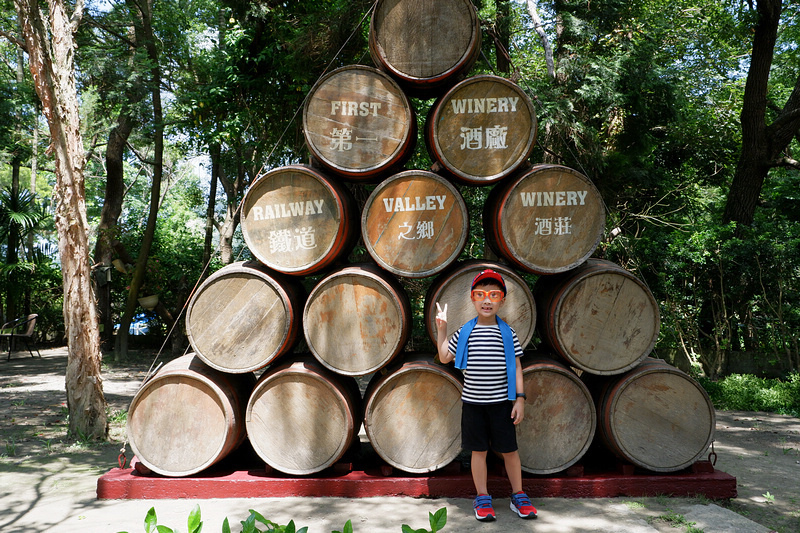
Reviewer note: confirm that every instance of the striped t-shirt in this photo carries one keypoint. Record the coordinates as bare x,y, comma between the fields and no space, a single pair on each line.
485,378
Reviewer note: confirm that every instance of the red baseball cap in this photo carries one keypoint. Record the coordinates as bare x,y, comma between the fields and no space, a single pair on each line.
489,274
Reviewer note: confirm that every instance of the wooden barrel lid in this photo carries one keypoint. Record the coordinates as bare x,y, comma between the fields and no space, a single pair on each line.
357,319
414,224
412,414
657,417
560,419
358,122
298,221
243,317
546,221
427,45
187,417
453,286
599,317
300,418
482,130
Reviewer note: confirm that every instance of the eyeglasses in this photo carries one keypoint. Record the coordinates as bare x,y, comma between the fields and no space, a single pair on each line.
479,296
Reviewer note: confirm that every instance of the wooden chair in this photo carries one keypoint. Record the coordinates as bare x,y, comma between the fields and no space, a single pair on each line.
21,328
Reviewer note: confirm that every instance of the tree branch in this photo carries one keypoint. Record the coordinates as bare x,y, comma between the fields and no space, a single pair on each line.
13,39
787,162
533,11
77,15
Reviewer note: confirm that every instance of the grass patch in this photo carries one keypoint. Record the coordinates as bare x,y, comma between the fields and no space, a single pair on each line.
746,392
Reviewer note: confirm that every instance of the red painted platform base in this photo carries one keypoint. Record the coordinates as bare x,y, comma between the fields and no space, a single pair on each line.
451,482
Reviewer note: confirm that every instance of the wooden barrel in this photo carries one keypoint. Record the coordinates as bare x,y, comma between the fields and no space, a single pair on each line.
599,317
243,317
412,414
560,419
414,224
453,289
298,221
656,417
357,319
482,130
426,45
301,417
188,417
358,123
548,220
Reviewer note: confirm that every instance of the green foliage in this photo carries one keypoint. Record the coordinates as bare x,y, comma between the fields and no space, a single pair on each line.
255,520
437,522
750,393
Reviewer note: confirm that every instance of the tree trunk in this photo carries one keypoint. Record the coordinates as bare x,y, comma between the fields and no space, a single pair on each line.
51,53
233,191
214,152
112,207
762,145
143,10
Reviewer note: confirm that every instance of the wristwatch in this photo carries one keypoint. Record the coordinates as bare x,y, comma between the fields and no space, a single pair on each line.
522,395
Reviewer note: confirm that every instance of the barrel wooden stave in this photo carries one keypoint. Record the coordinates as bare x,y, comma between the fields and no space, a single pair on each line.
358,123
298,221
656,417
560,419
452,288
482,130
301,417
243,317
188,417
414,224
412,414
599,317
426,45
357,319
547,220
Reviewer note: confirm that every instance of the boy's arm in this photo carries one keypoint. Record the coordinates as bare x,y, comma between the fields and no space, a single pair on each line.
518,410
445,356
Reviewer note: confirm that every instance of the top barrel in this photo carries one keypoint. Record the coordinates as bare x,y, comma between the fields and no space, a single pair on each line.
426,45
358,123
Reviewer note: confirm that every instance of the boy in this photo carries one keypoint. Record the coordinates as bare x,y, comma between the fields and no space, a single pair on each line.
493,399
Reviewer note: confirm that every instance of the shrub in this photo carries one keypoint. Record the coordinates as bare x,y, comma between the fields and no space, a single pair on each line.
746,392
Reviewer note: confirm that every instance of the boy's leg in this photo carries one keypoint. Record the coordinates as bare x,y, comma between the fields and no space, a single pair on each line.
483,501
480,472
520,503
513,466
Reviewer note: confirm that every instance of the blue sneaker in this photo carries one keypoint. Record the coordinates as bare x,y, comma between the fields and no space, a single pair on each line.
521,504
483,508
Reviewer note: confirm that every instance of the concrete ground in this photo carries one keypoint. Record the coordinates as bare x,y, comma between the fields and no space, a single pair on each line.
55,489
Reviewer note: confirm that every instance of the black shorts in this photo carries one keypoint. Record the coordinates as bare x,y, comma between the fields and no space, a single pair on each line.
485,426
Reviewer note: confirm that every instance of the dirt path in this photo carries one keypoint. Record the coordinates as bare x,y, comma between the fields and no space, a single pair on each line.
761,450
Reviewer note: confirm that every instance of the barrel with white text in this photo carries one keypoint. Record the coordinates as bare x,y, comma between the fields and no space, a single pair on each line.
414,224
482,130
547,220
298,221
359,124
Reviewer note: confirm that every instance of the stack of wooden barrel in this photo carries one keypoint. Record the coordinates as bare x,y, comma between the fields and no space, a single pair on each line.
301,222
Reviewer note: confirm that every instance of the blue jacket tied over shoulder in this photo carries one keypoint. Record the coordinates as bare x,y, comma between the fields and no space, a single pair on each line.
508,348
